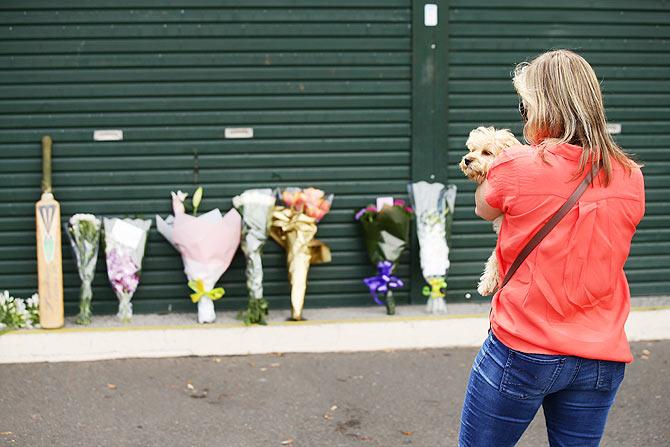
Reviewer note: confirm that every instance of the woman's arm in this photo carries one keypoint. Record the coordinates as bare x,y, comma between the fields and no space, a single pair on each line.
482,208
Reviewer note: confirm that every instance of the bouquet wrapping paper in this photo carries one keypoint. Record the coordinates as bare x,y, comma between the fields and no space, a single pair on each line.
386,234
294,227
83,230
434,206
255,206
207,244
125,240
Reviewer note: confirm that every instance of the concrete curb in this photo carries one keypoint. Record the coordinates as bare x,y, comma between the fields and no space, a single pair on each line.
411,332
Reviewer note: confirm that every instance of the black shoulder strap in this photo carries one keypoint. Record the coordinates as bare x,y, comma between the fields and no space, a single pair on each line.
551,223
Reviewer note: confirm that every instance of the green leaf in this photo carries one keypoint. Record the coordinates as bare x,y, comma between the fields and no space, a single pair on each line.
255,313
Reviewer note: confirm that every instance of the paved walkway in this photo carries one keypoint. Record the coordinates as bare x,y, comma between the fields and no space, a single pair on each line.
394,398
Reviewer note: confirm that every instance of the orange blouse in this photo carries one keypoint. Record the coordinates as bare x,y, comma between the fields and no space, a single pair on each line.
570,296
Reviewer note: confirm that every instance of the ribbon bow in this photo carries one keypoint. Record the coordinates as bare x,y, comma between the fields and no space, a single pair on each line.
434,288
383,281
199,288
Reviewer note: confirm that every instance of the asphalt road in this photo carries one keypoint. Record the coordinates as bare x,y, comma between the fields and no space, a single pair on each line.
394,398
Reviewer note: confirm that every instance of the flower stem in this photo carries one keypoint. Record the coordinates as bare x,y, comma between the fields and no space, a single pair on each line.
85,297
390,303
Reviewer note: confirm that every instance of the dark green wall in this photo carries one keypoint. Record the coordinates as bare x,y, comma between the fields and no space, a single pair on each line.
326,89
333,92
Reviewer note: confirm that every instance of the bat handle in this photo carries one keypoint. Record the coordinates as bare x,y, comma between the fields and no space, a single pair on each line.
46,164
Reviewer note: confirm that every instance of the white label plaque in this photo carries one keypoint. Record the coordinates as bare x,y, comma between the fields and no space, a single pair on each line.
614,128
430,14
239,132
108,135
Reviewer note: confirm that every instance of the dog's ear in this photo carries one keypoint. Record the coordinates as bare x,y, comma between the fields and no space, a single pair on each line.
480,138
505,138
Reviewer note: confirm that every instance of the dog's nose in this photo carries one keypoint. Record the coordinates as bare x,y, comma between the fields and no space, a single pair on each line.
467,161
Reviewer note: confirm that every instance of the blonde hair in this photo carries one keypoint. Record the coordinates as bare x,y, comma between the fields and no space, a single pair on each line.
561,95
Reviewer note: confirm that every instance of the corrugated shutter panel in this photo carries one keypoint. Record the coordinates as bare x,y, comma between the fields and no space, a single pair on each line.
326,87
628,45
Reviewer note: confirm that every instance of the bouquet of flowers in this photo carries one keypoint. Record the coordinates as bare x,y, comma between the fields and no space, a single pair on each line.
256,206
83,231
207,244
18,313
434,207
386,233
294,227
125,240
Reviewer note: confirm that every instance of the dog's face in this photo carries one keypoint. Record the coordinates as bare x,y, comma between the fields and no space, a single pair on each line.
484,145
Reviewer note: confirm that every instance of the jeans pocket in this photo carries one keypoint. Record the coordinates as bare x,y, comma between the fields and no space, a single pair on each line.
610,375
527,376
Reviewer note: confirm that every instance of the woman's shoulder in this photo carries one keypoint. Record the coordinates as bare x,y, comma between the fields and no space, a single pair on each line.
513,154
628,178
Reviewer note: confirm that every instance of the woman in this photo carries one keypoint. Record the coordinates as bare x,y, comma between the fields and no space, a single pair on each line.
557,335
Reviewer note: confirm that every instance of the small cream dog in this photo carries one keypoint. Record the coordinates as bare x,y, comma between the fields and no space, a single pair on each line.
484,145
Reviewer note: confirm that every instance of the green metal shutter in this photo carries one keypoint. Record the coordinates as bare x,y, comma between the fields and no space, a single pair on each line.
325,85
629,47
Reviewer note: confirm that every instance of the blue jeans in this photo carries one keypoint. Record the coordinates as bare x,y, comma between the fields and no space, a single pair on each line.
507,387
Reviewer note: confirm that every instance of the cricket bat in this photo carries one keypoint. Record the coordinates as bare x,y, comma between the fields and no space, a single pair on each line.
49,256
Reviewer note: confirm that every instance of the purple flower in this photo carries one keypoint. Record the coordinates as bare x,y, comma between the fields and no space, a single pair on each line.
362,211
122,271
399,202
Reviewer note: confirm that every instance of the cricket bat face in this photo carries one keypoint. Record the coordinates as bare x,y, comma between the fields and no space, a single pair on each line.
49,262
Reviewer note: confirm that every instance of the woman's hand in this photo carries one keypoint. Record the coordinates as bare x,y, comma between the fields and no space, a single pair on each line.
482,208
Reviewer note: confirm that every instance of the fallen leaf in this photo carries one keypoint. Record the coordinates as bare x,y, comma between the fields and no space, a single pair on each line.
275,365
111,386
408,433
646,352
6,433
217,360
199,395
190,386
333,408
328,416
289,441
264,369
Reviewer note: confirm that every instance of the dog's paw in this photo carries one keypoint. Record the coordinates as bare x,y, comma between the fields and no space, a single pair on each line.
488,283
485,289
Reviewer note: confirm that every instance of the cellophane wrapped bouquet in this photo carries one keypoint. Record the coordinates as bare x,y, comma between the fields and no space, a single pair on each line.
207,244
255,206
125,240
83,230
294,226
386,234
434,207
